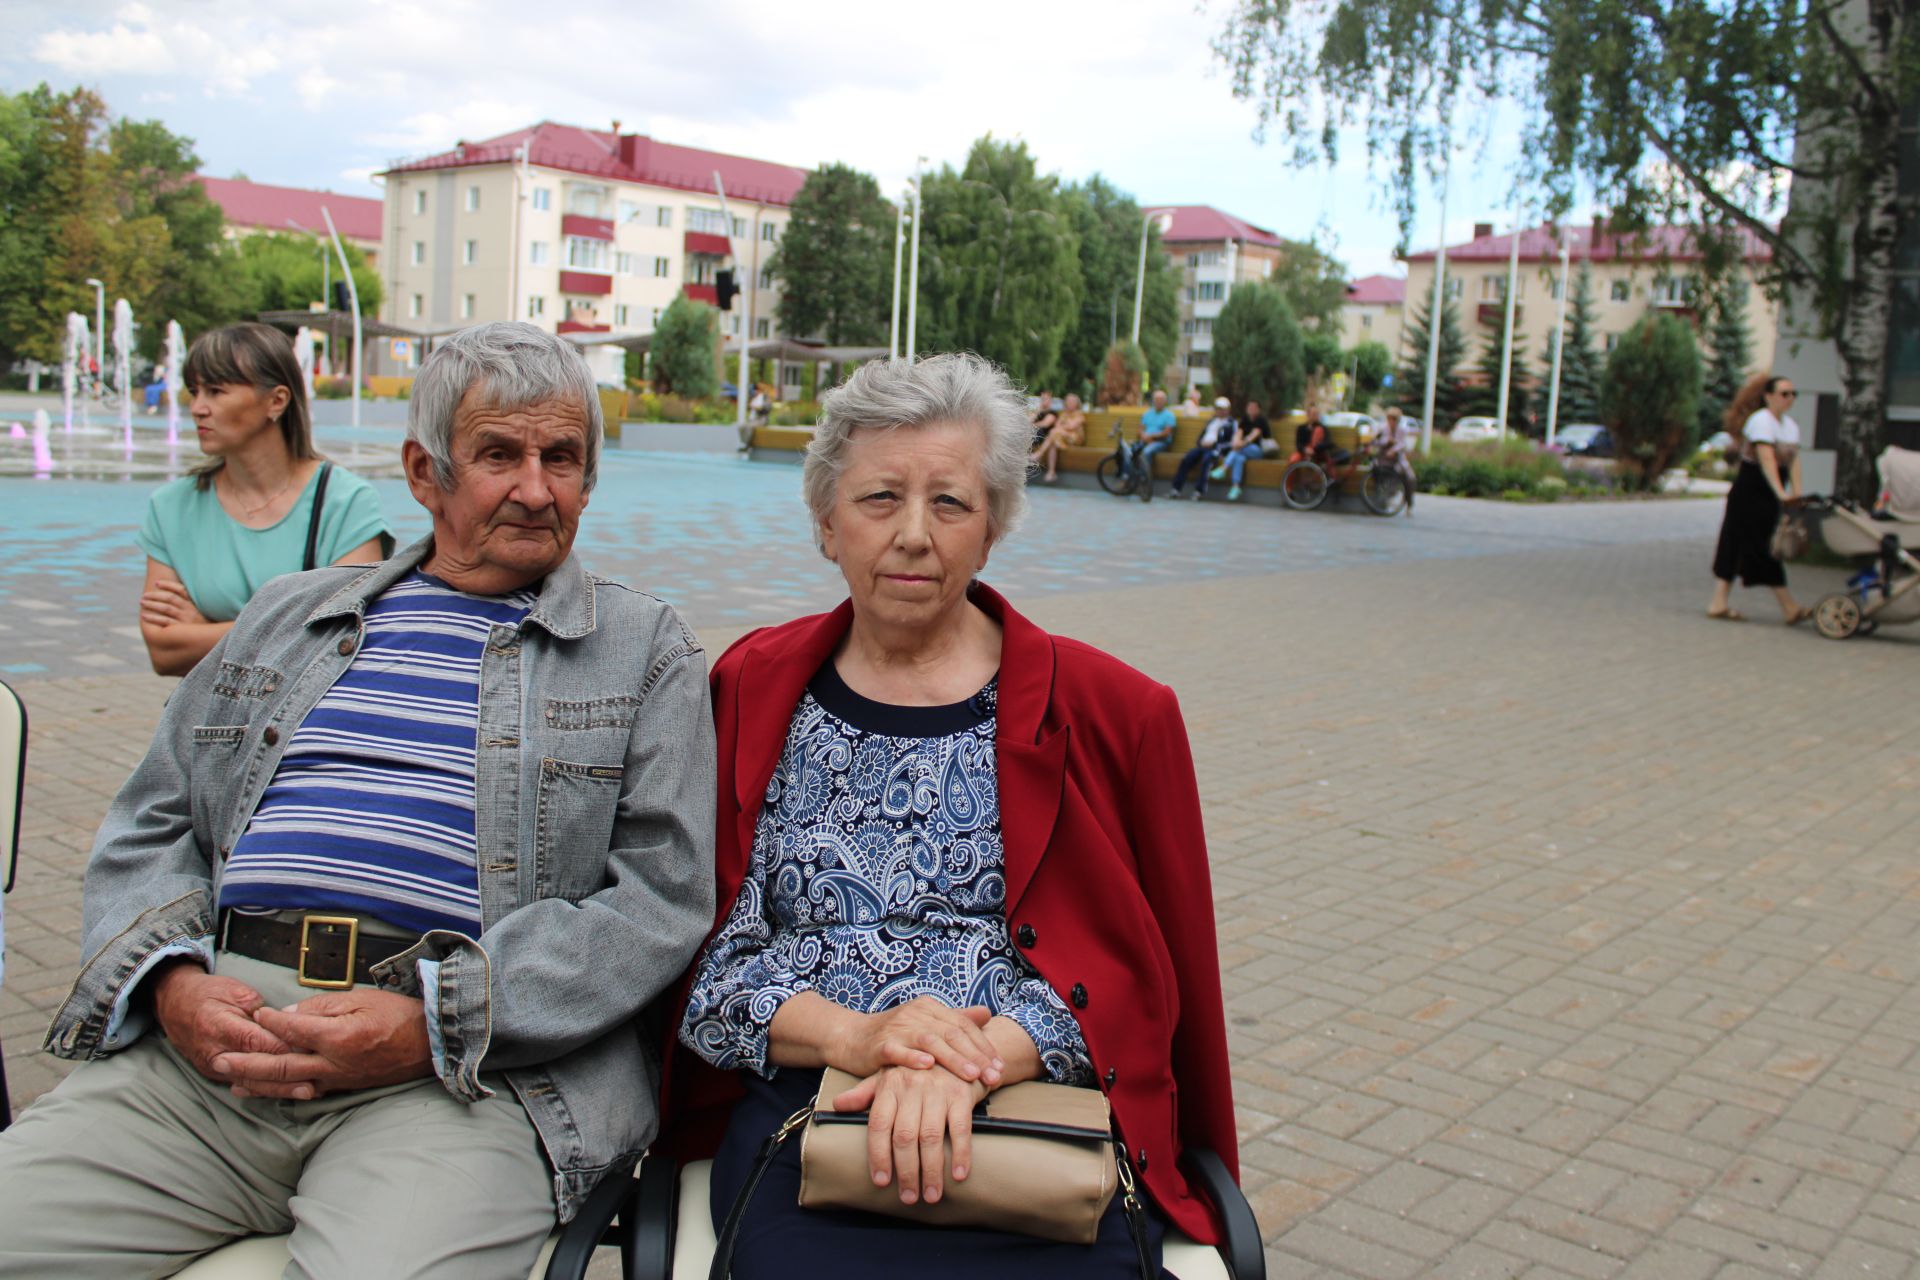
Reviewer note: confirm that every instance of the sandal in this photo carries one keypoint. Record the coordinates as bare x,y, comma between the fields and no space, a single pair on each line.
1799,616
1727,615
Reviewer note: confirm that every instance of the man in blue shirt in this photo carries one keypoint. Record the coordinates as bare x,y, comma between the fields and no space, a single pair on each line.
1156,433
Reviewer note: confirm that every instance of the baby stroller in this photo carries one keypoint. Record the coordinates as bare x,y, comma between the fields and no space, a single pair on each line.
1887,588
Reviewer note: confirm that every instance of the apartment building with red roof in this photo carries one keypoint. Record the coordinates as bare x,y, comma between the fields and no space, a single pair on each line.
257,208
581,231
1374,311
1213,251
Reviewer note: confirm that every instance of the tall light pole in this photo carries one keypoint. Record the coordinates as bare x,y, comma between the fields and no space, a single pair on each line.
1559,344
913,272
1434,308
899,243
353,295
99,325
1140,272
1506,344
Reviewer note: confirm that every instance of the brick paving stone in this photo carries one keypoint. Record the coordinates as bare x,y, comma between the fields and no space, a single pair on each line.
1548,950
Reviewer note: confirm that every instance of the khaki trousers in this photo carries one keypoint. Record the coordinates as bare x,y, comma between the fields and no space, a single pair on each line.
136,1164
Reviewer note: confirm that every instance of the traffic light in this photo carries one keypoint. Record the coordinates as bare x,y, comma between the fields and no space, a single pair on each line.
342,300
723,289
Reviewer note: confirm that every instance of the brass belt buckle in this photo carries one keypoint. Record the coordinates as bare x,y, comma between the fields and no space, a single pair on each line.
345,981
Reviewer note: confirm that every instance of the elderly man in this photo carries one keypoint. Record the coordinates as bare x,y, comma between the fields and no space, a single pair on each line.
1156,433
369,927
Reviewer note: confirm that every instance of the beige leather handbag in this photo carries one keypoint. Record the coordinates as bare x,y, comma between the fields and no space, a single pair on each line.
1044,1165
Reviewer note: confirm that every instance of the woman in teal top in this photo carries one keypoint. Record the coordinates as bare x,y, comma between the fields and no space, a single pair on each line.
214,537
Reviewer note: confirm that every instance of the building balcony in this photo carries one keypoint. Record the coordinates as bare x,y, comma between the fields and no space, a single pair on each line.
702,293
581,326
708,243
1495,314
579,224
591,283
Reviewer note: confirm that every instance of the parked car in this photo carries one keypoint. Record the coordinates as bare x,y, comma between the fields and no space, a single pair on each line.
1468,430
1718,442
1585,439
1348,419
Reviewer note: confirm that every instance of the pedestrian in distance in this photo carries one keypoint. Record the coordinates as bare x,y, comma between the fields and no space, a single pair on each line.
1767,483
263,503
1214,437
1070,428
1396,446
1249,442
1044,416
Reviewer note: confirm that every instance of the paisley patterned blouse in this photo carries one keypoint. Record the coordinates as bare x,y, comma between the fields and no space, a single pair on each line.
876,876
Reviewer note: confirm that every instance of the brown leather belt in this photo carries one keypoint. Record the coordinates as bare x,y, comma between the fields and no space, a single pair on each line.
326,951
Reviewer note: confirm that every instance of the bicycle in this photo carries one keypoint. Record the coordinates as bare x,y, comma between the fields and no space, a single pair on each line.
1120,472
1306,483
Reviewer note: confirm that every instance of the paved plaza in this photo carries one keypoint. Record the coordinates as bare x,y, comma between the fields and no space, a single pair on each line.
1564,932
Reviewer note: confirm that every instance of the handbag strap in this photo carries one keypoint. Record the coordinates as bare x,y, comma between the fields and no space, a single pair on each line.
730,1230
313,521
1130,1202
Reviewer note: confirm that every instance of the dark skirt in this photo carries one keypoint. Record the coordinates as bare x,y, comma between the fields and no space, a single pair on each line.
1745,549
779,1239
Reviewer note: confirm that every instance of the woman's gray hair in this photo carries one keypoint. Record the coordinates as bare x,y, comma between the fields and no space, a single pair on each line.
515,366
889,394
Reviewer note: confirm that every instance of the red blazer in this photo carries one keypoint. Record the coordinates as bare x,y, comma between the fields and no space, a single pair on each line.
1108,891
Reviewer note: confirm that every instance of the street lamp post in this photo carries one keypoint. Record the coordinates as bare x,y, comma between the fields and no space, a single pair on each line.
1140,273
1506,344
913,272
899,241
99,325
353,295
1434,308
1559,345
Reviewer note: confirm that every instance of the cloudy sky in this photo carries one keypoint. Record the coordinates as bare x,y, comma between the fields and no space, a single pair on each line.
325,95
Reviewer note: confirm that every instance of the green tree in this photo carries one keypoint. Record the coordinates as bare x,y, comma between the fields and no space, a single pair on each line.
1313,282
1258,350
1369,363
1410,385
1650,394
684,354
1321,356
1109,223
1691,111
999,263
1732,345
284,272
1580,369
835,260
1484,397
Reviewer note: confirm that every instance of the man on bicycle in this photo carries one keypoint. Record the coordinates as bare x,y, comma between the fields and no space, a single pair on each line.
1395,446
1310,440
1156,433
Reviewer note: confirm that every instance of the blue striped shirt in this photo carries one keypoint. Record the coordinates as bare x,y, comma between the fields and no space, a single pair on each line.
371,809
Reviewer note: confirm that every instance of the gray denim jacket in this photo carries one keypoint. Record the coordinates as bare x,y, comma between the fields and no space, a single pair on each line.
594,813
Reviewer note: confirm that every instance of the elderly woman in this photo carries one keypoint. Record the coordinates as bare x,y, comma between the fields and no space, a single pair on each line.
954,852
1070,428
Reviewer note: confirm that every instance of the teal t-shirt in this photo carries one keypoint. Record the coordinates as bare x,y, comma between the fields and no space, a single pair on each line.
223,562
1156,420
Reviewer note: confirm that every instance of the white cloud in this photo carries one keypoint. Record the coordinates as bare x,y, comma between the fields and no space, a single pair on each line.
120,48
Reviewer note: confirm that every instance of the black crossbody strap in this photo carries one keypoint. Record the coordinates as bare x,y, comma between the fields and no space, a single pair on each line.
1136,1211
313,521
730,1230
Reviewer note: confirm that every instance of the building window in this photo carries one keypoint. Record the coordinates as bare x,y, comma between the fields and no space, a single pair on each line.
701,272
536,307
620,312
469,253
420,202
1673,291
1196,359
711,221
466,306
584,254
766,277
654,319
1621,291
584,201
473,199
1204,258
1613,340
662,268
537,252
734,325
1493,288
1366,321
419,256
543,198
623,264
1210,291
1456,287
663,216
763,328
790,375
739,226
416,304
629,211
769,232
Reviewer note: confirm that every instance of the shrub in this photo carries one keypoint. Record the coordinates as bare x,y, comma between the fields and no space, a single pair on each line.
1258,350
332,386
796,413
1123,374
1491,469
685,346
1650,395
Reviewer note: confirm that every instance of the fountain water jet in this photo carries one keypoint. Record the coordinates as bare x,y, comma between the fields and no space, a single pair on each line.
71,358
172,357
303,357
123,366
42,451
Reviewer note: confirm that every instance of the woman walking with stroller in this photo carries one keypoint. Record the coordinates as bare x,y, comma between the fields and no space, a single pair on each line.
1767,482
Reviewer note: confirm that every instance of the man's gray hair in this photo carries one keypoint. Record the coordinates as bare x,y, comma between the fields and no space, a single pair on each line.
515,366
891,394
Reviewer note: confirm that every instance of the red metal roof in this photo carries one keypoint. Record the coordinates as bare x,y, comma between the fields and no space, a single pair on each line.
627,157
1591,243
254,204
1202,223
1378,290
